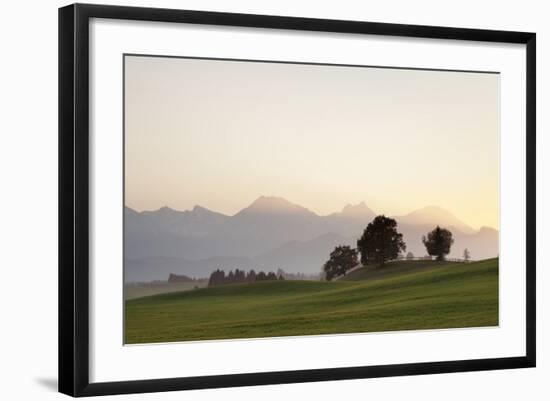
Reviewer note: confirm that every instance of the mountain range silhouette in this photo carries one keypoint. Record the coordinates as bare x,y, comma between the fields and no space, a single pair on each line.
268,234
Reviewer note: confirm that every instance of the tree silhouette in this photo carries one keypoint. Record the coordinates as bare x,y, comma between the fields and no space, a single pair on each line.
271,276
230,277
438,243
410,256
251,276
466,255
219,277
216,278
240,276
342,259
380,241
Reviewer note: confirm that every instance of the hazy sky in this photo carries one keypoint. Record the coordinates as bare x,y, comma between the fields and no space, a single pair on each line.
222,133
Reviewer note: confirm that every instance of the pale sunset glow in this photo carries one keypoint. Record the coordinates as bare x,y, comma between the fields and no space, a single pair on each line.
222,133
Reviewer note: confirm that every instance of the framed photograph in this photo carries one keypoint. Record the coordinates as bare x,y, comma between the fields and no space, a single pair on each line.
251,199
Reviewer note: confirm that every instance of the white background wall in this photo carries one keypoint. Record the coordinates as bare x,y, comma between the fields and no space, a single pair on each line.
28,199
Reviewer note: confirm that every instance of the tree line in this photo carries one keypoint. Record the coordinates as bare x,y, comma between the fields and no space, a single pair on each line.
219,277
381,242
182,278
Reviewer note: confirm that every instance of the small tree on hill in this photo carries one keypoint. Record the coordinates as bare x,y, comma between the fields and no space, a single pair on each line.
380,241
240,276
216,278
230,277
251,276
466,255
271,276
438,242
342,259
410,256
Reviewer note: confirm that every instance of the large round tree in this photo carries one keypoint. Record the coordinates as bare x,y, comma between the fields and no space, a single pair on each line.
380,241
342,259
438,242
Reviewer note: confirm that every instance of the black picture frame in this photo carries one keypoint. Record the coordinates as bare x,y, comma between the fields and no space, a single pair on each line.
74,198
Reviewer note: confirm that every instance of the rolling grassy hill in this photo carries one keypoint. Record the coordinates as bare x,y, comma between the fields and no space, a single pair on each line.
392,269
132,291
407,296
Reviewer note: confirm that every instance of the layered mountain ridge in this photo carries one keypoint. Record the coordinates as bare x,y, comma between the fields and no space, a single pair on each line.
268,234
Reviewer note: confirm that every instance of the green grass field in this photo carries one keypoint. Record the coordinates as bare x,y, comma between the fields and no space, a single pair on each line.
392,269
132,291
400,296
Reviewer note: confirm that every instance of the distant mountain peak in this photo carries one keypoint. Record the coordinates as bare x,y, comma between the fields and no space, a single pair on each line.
200,209
487,229
434,215
274,204
430,211
360,209
129,212
271,200
431,208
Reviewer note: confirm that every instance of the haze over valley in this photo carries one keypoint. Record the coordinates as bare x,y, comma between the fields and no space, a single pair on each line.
271,233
